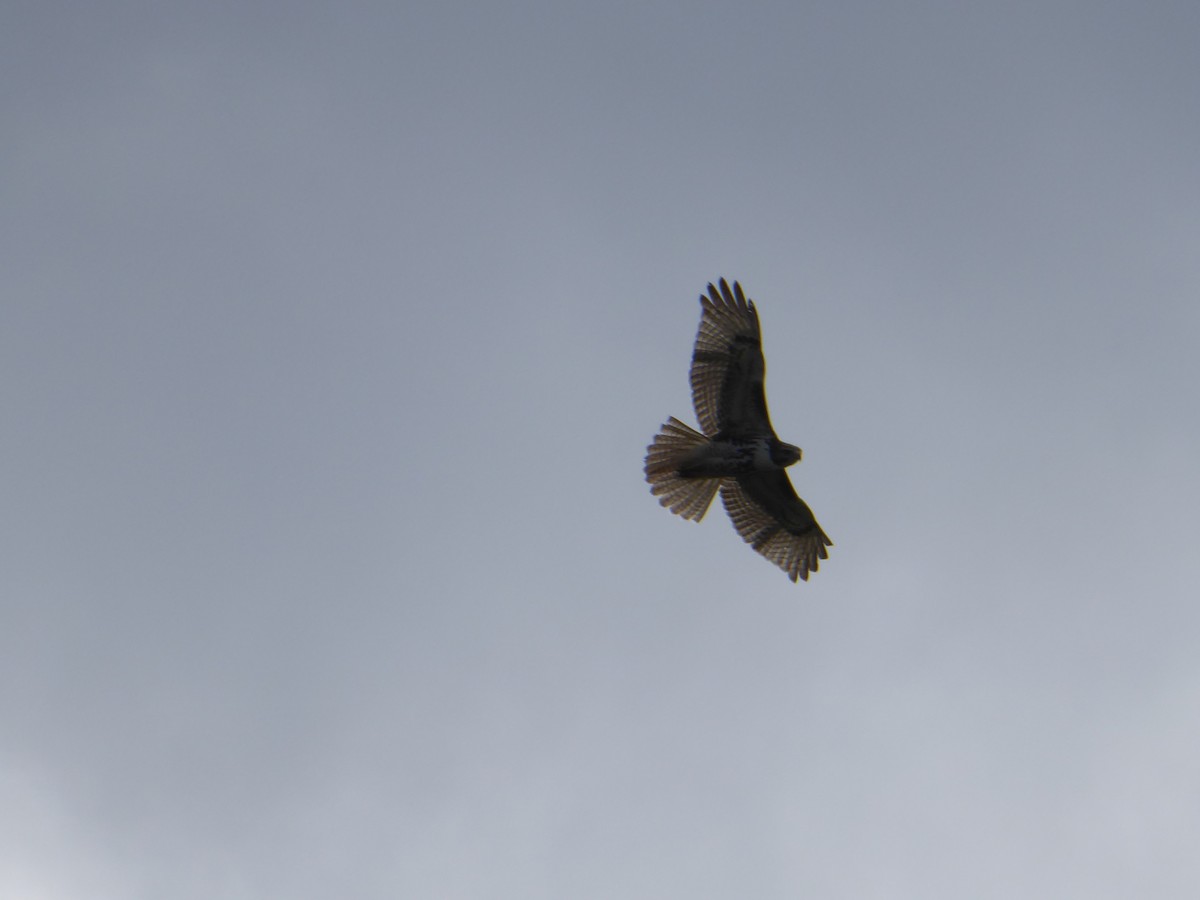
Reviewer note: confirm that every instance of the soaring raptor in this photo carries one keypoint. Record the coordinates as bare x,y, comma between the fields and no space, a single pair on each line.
739,452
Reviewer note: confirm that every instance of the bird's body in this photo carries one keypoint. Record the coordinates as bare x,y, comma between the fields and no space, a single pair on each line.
719,457
737,452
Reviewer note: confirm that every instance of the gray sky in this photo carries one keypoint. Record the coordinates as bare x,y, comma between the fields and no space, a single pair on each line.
331,338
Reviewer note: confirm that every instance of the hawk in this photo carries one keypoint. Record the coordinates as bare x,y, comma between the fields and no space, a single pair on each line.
738,452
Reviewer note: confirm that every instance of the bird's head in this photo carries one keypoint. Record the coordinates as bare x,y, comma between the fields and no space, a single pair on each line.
784,455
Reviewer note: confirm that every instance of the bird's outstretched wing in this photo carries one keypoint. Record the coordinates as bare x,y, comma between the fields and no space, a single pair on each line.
774,521
728,366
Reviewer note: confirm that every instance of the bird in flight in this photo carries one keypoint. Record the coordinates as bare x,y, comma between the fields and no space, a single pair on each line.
738,453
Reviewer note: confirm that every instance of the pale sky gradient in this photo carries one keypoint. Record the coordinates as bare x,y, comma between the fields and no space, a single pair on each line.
331,339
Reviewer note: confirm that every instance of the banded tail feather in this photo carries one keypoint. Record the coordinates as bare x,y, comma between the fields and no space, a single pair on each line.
674,446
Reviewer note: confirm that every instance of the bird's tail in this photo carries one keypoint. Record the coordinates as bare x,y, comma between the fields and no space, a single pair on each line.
687,497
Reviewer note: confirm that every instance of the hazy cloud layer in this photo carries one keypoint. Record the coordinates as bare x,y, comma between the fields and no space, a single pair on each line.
330,342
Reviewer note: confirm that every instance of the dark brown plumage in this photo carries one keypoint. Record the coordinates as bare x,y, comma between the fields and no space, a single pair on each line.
737,451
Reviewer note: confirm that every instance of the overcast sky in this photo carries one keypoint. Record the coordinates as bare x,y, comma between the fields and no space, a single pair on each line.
331,340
